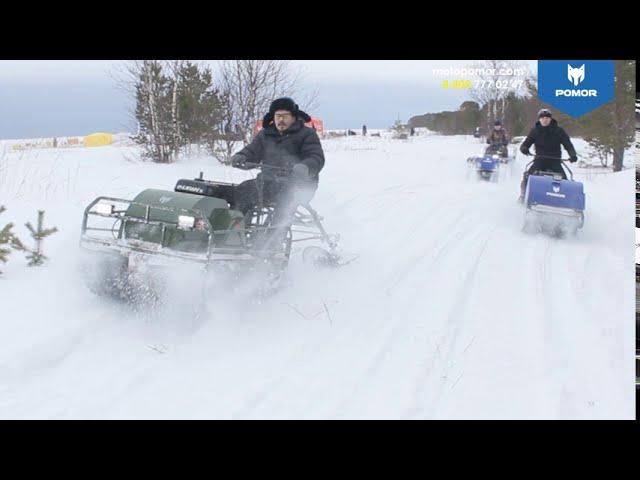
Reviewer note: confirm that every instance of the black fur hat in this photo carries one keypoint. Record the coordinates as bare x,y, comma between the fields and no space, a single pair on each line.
284,103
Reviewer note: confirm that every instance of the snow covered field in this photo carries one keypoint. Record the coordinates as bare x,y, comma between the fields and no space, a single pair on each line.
450,312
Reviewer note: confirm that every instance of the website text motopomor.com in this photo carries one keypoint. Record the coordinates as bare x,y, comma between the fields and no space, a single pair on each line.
479,72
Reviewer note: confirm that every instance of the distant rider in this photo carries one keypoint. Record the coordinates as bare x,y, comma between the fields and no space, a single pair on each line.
547,137
498,140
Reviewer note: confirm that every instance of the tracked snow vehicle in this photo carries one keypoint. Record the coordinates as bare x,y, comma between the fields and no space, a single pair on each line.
553,205
501,150
126,241
487,167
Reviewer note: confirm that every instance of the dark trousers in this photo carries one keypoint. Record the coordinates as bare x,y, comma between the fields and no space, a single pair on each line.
541,164
284,196
498,148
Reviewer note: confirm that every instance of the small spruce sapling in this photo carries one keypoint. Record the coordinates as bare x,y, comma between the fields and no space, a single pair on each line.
35,256
6,237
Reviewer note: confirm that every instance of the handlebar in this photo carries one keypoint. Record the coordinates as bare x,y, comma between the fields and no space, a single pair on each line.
262,165
562,161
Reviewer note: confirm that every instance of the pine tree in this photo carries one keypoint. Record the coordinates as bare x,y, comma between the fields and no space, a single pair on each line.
610,129
199,104
35,256
6,238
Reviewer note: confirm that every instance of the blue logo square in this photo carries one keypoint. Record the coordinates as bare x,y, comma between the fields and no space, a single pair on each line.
576,87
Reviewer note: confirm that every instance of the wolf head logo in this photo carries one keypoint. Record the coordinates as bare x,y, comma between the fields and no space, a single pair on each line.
575,74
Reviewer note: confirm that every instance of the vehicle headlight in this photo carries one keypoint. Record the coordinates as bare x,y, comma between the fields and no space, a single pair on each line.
186,222
104,208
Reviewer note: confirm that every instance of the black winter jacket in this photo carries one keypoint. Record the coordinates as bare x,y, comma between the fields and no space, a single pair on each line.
547,140
297,144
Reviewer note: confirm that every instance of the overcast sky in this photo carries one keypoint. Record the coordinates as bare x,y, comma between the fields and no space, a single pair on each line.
56,98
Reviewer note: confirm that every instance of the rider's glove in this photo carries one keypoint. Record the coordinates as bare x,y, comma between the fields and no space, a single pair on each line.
300,172
239,161
573,158
525,151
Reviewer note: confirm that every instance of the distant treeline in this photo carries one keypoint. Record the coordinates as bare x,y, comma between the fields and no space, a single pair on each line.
520,115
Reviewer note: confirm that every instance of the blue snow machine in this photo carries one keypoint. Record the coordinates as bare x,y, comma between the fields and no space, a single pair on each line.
487,166
553,205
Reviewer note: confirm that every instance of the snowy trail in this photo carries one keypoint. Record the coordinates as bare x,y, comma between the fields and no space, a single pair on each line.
449,312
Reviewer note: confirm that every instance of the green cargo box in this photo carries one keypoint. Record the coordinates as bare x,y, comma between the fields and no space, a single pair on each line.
168,207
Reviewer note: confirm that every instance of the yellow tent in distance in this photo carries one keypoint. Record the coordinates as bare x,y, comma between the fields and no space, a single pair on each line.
98,139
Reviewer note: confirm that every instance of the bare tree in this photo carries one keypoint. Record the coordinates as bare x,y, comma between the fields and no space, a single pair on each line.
174,66
496,79
142,81
484,89
126,75
248,87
